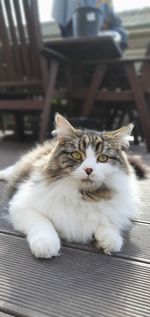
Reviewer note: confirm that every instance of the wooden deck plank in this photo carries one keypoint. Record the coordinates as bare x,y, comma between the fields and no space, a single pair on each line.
75,284
10,152
5,315
145,200
136,243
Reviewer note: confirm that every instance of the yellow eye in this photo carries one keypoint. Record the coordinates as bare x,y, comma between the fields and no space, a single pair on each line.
76,155
102,158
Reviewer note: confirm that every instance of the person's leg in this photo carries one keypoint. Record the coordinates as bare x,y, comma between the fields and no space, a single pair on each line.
68,30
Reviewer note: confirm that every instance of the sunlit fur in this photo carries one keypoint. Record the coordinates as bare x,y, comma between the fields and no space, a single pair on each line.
53,197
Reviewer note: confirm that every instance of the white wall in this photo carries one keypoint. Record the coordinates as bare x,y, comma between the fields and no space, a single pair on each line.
126,5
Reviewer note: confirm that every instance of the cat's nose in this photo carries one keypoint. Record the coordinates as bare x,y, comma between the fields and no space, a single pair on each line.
88,170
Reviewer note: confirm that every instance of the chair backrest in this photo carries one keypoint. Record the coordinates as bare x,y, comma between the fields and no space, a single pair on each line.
145,71
148,50
20,40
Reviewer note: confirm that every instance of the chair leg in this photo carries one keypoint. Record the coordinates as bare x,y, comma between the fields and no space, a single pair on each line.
141,105
48,99
19,128
69,84
2,127
92,90
121,118
145,71
111,117
133,118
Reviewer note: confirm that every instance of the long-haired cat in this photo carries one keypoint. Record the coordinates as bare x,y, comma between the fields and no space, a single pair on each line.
77,187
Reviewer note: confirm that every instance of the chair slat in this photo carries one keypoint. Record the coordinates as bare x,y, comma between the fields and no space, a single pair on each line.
32,38
15,43
22,38
7,48
20,57
3,72
38,35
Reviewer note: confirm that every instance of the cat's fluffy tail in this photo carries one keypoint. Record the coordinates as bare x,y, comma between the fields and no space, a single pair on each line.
7,173
141,169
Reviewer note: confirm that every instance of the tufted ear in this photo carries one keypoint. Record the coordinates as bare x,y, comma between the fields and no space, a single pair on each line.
63,129
120,137
123,135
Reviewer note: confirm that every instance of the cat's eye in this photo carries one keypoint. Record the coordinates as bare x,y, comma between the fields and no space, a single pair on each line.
76,155
102,158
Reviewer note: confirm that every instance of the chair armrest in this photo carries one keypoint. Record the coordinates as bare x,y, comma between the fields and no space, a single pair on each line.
123,60
136,59
51,54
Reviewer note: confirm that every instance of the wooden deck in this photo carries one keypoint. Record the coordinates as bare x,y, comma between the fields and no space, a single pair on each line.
82,281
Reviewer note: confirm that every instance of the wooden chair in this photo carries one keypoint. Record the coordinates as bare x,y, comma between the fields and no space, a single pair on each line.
145,71
25,85
103,54
132,94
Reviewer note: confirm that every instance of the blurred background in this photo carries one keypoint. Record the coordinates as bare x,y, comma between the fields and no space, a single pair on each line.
135,17
128,22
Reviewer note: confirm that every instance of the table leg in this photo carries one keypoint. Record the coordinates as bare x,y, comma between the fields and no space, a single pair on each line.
48,99
19,126
77,73
69,84
92,90
141,105
145,75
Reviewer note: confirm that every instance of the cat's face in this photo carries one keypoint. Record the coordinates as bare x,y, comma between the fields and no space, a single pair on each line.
89,157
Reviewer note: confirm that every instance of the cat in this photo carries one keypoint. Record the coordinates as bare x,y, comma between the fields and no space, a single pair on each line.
77,187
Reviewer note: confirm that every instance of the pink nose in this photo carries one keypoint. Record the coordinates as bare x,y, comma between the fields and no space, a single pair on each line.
88,171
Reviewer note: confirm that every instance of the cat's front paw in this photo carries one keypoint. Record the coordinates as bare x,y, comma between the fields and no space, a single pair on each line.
108,240
44,246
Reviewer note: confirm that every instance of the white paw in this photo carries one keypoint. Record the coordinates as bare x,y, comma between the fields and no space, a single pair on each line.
44,246
109,240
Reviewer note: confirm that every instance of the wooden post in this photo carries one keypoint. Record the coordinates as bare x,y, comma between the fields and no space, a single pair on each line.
92,90
138,93
48,98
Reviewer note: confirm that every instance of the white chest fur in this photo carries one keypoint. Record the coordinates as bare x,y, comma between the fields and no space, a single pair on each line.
74,218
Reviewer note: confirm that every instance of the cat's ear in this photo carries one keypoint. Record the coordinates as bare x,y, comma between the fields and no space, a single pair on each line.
123,135
63,128
120,137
